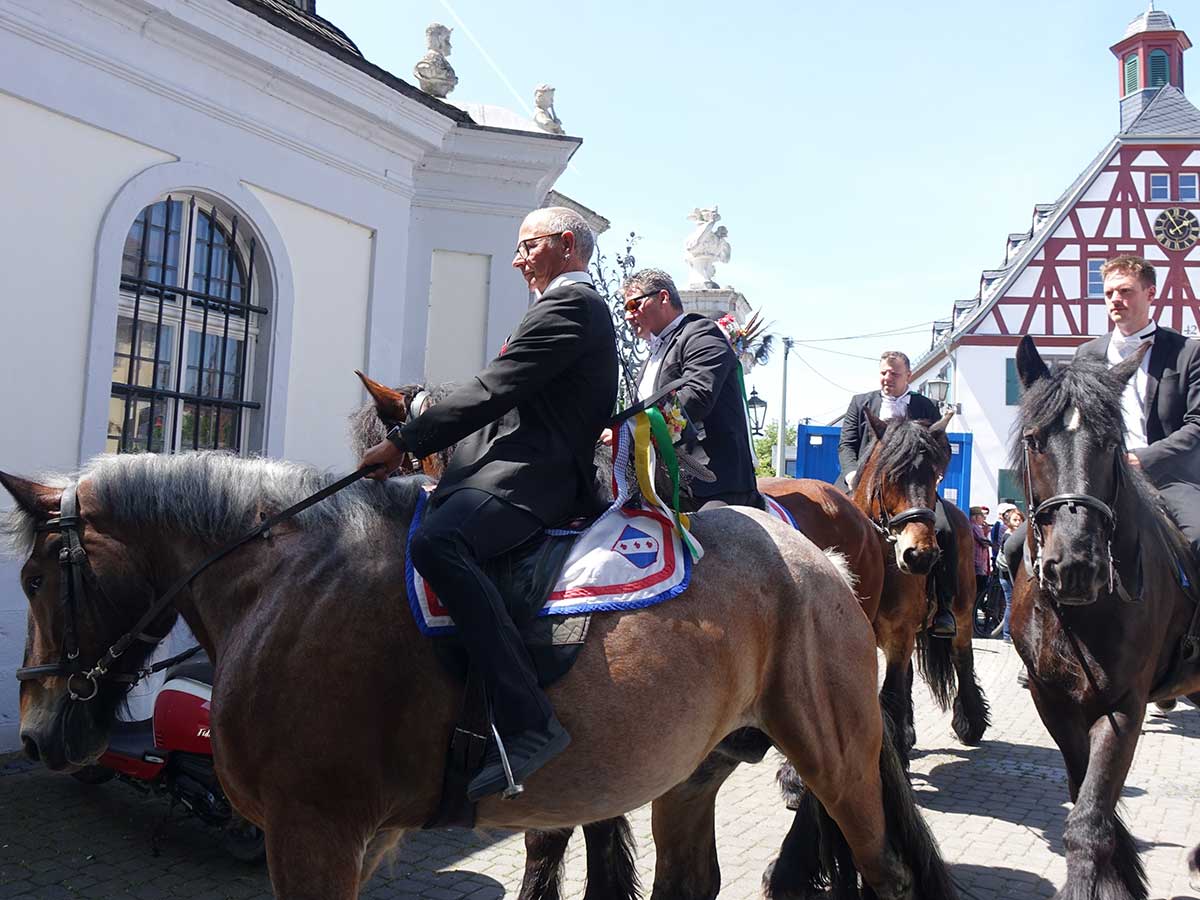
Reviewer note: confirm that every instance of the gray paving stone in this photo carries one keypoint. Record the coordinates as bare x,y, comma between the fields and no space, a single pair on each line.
997,809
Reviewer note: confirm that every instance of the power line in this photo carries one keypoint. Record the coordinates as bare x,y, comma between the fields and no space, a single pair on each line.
907,329
838,352
822,377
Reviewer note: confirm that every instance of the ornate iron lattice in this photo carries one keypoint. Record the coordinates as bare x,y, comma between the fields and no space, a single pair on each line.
608,277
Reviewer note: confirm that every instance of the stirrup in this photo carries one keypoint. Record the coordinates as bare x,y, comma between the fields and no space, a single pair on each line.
513,790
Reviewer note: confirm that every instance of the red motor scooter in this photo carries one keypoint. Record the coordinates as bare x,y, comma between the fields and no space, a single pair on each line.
171,753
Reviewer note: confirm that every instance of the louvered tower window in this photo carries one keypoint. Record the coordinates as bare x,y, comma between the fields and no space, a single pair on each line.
1131,73
1160,69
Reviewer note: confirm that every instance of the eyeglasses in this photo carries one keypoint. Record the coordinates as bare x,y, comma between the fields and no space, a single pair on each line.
634,303
523,247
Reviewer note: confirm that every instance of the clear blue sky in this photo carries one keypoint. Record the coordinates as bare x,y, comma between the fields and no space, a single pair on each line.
869,159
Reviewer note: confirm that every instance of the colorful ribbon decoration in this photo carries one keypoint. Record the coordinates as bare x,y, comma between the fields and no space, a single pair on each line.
650,430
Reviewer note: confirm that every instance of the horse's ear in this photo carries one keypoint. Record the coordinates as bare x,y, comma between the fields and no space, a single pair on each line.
877,424
392,406
1124,370
1031,368
939,427
39,500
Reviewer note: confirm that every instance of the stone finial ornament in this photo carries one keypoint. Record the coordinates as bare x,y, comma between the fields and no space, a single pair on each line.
433,73
544,116
705,245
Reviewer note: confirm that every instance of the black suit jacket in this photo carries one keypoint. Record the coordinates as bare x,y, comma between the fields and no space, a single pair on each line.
1172,406
526,426
711,400
857,436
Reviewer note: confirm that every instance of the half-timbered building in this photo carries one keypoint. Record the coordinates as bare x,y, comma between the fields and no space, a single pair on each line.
1140,195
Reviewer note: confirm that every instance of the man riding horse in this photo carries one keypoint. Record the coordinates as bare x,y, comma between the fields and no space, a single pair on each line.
526,427
893,400
693,347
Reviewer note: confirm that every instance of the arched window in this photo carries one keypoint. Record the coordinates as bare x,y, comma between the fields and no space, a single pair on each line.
187,324
1160,68
1131,73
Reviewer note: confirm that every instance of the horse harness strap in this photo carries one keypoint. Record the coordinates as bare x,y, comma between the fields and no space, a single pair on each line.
73,562
891,526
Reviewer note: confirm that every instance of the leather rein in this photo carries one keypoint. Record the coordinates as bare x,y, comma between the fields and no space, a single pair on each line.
84,684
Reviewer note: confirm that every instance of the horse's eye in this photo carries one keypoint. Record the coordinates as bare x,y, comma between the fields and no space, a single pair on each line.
33,584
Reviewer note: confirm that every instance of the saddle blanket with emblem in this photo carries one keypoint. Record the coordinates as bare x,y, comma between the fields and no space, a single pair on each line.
629,559
779,511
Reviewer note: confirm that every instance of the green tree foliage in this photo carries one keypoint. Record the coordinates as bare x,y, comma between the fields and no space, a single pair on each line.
764,448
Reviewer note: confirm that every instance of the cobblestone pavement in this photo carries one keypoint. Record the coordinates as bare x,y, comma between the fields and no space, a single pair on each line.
997,809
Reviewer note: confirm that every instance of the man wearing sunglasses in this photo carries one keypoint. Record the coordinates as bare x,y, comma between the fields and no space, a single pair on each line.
692,346
526,428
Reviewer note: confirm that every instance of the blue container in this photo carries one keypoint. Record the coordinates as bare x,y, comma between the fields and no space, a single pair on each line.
817,457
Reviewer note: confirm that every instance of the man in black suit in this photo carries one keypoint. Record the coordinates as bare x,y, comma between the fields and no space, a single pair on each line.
1162,400
526,427
692,346
893,399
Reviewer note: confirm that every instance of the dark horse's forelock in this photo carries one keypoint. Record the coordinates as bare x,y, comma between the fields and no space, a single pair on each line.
907,446
1086,385
215,496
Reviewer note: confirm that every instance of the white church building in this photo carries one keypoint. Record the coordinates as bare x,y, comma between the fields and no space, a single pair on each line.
218,210
1049,285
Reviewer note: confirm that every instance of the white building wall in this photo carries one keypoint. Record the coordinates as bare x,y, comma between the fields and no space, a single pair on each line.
979,385
331,268
109,104
457,333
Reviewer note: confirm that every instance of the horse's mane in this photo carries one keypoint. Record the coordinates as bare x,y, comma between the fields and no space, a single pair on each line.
906,445
1088,386
215,496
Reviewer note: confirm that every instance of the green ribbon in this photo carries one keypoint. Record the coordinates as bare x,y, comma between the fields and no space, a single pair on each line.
666,449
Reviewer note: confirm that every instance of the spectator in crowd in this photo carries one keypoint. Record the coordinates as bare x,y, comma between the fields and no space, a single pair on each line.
1008,520
983,548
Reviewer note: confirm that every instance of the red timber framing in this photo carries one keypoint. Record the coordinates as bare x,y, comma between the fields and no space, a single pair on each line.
1101,228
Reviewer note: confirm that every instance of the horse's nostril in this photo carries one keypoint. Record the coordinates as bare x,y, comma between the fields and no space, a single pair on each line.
31,748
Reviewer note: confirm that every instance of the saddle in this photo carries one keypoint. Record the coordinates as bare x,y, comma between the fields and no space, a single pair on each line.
524,578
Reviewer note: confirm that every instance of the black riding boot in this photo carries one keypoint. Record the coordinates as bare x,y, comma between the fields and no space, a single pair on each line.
944,572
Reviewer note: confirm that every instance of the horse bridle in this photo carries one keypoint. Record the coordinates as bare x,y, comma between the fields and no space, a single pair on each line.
889,527
73,565
1072,502
409,463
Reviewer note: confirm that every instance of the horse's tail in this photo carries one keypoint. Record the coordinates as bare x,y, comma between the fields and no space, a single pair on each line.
937,666
805,864
612,849
841,562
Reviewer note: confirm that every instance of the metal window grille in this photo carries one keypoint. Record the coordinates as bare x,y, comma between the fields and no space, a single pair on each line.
186,332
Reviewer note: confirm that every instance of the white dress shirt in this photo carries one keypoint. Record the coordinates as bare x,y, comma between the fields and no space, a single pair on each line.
1133,398
658,349
891,407
569,278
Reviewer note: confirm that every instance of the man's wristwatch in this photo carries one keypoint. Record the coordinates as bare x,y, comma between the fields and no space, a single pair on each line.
396,438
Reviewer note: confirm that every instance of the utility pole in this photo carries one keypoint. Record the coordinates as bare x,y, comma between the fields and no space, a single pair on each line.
781,438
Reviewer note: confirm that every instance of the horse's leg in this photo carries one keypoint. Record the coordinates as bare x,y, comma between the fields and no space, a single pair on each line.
310,858
544,855
896,693
685,837
971,715
1102,859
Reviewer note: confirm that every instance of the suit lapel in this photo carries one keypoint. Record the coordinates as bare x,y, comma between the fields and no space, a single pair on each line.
1160,354
672,340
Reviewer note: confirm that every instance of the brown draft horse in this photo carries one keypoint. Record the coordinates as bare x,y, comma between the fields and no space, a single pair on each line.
769,636
1098,613
902,471
832,521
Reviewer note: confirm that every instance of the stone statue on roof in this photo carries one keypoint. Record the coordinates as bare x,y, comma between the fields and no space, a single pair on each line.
544,117
433,73
705,246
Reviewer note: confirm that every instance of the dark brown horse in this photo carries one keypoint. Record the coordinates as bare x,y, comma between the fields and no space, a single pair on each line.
901,473
318,609
1098,614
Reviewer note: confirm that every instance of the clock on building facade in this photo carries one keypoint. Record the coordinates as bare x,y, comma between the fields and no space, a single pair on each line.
1177,228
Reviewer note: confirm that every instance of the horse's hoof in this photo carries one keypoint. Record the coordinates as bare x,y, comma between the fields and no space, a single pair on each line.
1163,706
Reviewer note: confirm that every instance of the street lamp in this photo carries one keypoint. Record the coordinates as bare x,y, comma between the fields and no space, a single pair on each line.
758,411
937,389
